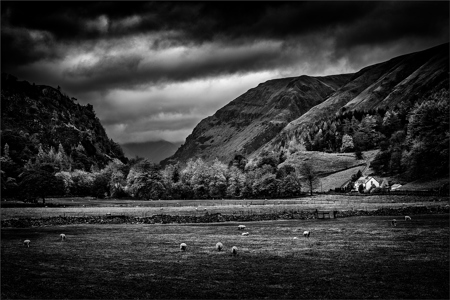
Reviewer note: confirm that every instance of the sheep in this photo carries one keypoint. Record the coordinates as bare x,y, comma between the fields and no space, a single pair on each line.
62,236
219,246
407,218
394,222
295,238
306,233
234,250
27,243
245,233
183,247
241,227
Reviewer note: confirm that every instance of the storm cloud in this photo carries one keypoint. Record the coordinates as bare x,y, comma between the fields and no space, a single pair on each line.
153,70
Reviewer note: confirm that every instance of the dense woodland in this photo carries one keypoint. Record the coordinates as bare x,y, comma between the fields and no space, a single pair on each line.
413,137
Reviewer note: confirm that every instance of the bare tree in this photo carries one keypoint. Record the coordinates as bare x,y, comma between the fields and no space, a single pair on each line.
308,173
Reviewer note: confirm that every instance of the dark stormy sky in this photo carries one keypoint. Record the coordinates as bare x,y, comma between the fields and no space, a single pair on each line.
153,70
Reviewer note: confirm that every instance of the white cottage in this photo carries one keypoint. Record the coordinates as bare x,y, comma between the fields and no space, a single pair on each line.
367,182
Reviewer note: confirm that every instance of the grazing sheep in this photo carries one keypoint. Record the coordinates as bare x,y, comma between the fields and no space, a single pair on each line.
108,213
62,236
407,218
241,227
394,222
245,233
234,250
27,243
219,246
183,247
295,238
306,233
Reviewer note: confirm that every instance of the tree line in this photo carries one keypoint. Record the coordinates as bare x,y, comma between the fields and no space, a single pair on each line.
51,174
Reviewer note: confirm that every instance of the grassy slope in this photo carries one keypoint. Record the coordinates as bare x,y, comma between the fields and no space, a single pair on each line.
361,257
337,179
324,163
425,184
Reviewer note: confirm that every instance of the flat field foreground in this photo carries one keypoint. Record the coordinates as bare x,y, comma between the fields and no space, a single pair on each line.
348,258
79,207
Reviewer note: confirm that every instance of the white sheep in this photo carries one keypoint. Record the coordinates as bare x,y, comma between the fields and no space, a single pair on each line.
219,246
407,218
245,233
241,227
394,222
27,243
62,236
306,233
234,250
295,238
183,247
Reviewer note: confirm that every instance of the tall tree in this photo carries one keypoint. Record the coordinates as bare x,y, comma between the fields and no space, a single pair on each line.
308,173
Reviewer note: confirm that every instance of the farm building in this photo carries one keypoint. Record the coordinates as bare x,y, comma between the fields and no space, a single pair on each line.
367,182
395,186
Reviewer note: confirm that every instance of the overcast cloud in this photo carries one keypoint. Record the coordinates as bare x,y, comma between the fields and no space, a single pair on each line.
153,70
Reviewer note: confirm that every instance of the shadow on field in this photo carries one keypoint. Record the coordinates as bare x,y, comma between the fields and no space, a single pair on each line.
358,257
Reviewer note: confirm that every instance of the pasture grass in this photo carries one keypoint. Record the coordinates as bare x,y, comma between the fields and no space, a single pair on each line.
139,208
349,258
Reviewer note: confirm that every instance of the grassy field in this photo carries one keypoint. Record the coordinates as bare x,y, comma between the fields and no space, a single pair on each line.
358,257
138,208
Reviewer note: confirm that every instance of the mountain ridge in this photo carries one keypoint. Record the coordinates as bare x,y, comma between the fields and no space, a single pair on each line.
274,114
256,116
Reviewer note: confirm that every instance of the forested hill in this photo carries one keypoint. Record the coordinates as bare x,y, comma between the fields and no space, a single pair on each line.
40,118
394,86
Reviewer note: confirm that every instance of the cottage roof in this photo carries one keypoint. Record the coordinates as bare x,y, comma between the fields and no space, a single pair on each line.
365,179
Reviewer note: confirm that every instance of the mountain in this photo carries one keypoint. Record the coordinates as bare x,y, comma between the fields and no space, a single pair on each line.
155,151
398,83
40,116
278,113
254,118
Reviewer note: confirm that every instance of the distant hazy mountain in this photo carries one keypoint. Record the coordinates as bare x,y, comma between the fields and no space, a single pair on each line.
154,151
273,114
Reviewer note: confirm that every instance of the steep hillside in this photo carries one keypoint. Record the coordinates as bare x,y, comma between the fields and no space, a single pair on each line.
279,113
155,151
399,82
34,115
254,118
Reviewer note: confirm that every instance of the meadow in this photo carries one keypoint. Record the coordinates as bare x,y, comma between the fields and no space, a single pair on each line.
348,258
78,207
